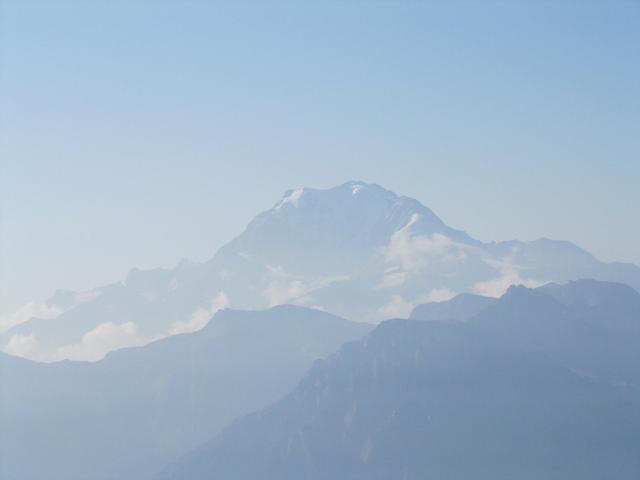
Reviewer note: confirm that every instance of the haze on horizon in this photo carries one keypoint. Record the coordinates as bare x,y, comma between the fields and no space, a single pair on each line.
137,134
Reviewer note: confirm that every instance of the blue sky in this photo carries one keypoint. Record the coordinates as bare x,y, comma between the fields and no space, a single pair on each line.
137,133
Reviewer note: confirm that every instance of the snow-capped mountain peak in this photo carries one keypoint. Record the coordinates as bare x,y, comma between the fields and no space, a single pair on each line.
357,250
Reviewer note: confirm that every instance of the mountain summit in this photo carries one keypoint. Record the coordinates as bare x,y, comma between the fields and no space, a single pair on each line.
336,229
356,250
351,216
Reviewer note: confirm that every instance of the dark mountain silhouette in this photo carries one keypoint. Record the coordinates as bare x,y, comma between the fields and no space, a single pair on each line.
459,309
529,388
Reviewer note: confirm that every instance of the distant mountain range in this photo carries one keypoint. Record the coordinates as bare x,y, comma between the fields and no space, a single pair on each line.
356,250
502,361
541,383
126,416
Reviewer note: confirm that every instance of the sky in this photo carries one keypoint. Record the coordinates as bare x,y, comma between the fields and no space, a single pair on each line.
138,133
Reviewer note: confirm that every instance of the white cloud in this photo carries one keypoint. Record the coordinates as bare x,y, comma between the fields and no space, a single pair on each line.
28,311
392,279
282,287
440,295
21,345
285,288
509,275
85,296
397,307
96,343
201,316
412,253
226,274
109,336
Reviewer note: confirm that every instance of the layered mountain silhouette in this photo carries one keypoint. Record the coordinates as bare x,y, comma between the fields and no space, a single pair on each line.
541,383
357,250
126,416
459,309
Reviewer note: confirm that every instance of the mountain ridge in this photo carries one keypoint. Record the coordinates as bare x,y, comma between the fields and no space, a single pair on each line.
458,400
357,250
124,416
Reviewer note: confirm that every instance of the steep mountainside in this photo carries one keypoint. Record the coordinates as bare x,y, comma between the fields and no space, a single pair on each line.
529,388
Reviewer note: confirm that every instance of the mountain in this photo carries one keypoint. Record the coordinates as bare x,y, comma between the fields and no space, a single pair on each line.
357,250
459,309
509,393
340,223
125,416
600,342
600,299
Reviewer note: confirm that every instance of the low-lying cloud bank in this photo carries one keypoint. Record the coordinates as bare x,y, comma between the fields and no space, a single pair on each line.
105,337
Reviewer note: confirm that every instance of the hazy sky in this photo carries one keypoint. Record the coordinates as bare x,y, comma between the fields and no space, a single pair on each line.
137,133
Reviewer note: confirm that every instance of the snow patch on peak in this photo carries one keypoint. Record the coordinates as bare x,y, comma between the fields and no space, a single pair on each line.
412,221
357,186
290,198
